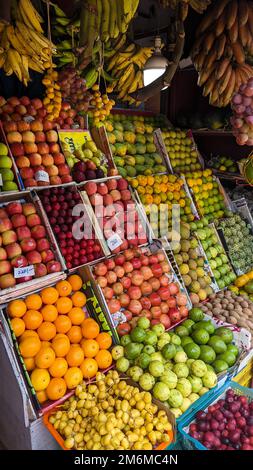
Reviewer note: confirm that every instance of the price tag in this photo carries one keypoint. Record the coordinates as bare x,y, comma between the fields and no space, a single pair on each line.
42,175
23,272
29,119
118,318
114,242
1,180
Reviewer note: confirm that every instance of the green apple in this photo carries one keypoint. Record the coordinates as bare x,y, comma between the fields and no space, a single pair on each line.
10,186
7,174
5,162
3,149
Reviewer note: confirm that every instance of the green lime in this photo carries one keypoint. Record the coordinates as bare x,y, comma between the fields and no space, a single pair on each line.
188,324
181,331
137,335
196,314
143,360
225,334
228,357
233,349
132,350
219,366
206,324
192,350
168,351
207,354
217,344
200,336
186,340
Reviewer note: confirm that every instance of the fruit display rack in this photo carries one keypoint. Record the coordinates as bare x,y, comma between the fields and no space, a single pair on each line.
10,179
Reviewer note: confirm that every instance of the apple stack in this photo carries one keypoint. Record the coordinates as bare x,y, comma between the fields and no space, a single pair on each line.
37,153
117,214
73,232
138,283
23,242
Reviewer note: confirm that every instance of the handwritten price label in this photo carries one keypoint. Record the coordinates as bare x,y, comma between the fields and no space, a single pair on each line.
114,242
24,272
42,175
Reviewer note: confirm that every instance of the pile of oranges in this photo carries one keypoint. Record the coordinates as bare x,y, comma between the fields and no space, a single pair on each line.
53,98
101,105
59,345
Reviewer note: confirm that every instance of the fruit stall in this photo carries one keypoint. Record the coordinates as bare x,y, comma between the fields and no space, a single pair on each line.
126,225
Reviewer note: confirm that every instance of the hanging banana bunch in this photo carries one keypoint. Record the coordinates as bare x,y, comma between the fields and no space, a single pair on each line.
126,67
224,39
23,45
198,5
65,33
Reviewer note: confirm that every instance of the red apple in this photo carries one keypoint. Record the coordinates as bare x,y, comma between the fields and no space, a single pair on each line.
13,250
28,137
52,136
26,173
6,281
156,311
33,220
40,270
38,231
40,137
3,213
36,103
28,244
134,292
23,232
14,137
3,254
19,262
155,299
9,237
36,126
47,255
5,267
14,208
24,100
17,149
54,147
5,224
33,257
18,220
53,266
42,244
10,126
35,159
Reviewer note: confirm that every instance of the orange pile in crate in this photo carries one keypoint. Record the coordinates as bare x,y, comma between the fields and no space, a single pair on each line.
60,347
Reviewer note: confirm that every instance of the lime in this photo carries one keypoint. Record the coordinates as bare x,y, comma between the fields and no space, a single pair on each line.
233,349
196,314
225,333
200,336
228,357
138,335
168,351
132,350
181,331
207,354
220,366
143,360
217,344
186,340
188,324
192,350
206,324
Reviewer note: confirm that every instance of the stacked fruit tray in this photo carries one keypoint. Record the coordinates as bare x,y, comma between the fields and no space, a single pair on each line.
10,179
182,151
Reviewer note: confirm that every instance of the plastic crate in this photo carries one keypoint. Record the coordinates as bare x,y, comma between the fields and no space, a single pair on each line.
245,377
188,442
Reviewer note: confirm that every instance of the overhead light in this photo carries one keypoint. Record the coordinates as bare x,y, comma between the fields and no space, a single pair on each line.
155,65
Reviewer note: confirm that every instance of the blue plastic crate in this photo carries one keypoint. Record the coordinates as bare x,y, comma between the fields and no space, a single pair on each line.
208,399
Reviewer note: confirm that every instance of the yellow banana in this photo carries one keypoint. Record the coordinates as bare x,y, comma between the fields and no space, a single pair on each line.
15,61
125,76
29,40
30,16
127,84
120,43
14,40
37,66
135,84
41,40
4,41
25,69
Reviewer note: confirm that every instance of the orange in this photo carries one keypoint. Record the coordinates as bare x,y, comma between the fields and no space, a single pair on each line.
73,377
64,288
64,305
61,345
28,334
59,367
76,315
104,340
46,344
75,334
90,328
75,281
40,379
29,347
89,368
18,326
56,389
45,358
104,359
32,319
49,295
90,347
49,313
16,308
46,331
29,363
33,302
42,396
78,299
75,355
62,324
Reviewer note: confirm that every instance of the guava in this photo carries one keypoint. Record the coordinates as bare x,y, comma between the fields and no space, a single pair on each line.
184,387
209,368
217,343
225,334
175,339
209,379
137,335
148,349
143,360
220,366
168,351
132,350
181,331
175,399
169,378
198,368
124,340
135,373
200,336
196,314
122,364
168,365
193,397
117,352
150,338
185,405
189,362
156,356
161,391
186,340
147,381
156,368
196,383
207,354
181,370
143,323
178,347
192,350
188,324
203,390
163,340
180,357
158,329
206,325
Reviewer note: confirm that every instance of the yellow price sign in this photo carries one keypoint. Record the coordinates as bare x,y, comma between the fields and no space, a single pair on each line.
73,139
